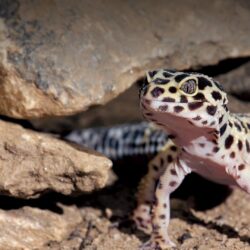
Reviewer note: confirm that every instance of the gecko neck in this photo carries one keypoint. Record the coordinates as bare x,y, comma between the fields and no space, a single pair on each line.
191,137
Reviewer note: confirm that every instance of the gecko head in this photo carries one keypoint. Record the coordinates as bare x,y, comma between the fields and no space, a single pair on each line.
192,97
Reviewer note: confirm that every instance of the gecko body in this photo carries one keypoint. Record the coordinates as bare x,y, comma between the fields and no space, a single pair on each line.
205,138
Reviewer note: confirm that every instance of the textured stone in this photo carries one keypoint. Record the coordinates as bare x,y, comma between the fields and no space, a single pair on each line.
32,163
59,57
237,81
32,228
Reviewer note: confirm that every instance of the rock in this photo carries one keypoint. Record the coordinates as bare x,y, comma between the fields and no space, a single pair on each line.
106,115
32,163
58,58
237,81
33,228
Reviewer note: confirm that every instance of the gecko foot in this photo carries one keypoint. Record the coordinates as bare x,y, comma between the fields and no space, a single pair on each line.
157,245
142,218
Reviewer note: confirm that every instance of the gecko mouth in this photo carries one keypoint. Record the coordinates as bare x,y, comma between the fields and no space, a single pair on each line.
170,101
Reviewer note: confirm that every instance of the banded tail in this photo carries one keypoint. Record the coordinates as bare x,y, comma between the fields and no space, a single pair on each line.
121,140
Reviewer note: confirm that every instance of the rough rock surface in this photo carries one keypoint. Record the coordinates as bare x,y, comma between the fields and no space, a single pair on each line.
60,57
237,81
101,221
33,228
32,163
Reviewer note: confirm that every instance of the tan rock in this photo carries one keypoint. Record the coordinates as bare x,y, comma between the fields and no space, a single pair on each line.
59,57
32,163
237,81
32,228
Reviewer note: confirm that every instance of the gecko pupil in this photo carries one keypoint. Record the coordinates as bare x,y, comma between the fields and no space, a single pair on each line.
189,86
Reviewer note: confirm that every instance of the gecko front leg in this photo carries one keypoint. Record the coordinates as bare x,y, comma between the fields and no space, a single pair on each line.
168,183
146,191
243,177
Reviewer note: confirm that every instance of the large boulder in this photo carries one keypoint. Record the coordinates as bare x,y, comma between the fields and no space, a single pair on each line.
59,57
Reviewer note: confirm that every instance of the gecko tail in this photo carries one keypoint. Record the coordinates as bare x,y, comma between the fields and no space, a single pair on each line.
121,140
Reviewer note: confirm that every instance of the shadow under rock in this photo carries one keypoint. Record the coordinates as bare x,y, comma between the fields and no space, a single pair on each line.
204,193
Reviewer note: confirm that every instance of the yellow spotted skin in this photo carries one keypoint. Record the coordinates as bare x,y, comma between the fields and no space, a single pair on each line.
204,138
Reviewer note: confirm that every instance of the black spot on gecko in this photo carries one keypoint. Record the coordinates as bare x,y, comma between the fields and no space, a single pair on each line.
223,129
172,90
156,168
203,83
215,141
194,105
221,119
197,118
216,95
180,77
163,108
240,145
168,99
173,172
152,73
161,81
237,126
241,167
172,183
200,97
216,149
156,92
178,109
162,216
183,99
232,155
170,158
229,141
211,110
167,74
171,136
247,146
173,148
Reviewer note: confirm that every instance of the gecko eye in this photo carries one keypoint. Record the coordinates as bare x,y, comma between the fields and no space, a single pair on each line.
189,87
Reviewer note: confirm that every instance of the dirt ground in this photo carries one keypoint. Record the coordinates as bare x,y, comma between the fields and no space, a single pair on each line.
204,216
